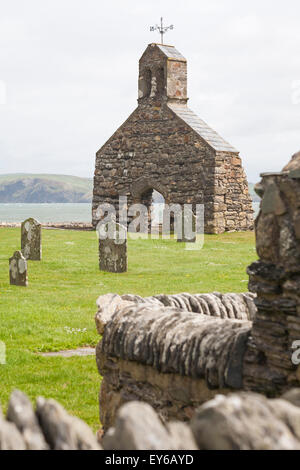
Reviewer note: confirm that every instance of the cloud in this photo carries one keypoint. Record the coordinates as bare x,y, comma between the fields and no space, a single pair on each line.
70,72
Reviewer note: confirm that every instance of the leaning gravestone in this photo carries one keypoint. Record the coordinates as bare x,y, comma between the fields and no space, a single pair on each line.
31,239
188,227
113,251
18,270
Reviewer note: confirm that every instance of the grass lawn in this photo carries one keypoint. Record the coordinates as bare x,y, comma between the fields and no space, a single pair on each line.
62,292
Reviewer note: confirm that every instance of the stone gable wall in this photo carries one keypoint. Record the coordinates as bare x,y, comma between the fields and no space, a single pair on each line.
161,152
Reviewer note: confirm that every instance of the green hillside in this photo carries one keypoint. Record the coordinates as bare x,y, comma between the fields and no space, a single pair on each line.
44,188
48,188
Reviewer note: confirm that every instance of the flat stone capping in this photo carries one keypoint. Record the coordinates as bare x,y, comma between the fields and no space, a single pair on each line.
230,305
173,340
273,173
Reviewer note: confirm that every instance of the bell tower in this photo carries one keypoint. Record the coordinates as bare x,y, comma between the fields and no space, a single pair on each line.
162,75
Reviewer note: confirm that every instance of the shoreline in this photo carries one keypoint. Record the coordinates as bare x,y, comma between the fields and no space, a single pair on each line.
54,225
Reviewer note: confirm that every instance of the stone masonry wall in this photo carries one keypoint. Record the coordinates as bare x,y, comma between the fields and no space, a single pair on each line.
153,151
232,204
275,278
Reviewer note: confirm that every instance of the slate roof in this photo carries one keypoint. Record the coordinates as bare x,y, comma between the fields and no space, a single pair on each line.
202,129
171,52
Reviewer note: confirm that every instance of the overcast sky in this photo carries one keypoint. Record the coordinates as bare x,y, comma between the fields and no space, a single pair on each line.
70,71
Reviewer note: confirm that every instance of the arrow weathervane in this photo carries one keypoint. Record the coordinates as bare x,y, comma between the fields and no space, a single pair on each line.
162,29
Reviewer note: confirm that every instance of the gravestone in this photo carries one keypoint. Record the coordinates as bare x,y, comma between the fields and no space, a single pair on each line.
31,235
188,227
113,251
18,270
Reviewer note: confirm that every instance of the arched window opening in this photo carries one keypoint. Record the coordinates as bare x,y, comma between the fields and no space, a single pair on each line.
145,84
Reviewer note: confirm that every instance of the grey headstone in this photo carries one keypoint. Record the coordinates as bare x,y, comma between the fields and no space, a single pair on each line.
31,239
18,270
113,251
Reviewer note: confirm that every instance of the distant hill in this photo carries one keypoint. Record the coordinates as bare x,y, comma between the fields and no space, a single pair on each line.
44,188
48,188
255,197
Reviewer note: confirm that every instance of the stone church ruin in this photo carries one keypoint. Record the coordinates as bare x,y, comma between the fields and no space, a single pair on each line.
164,146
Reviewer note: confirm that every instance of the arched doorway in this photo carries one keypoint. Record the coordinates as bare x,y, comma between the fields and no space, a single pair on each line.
157,208
152,195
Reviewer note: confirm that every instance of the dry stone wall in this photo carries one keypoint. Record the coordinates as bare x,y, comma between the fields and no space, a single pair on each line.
275,278
240,421
175,357
216,304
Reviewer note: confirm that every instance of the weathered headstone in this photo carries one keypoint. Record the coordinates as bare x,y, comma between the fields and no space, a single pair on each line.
31,239
18,270
113,251
188,227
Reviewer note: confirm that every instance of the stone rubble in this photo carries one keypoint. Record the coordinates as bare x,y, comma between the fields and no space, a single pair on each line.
49,427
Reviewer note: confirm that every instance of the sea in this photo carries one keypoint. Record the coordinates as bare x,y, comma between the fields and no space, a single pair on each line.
44,213
56,213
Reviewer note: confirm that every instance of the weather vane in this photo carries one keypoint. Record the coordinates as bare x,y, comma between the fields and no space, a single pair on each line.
162,29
